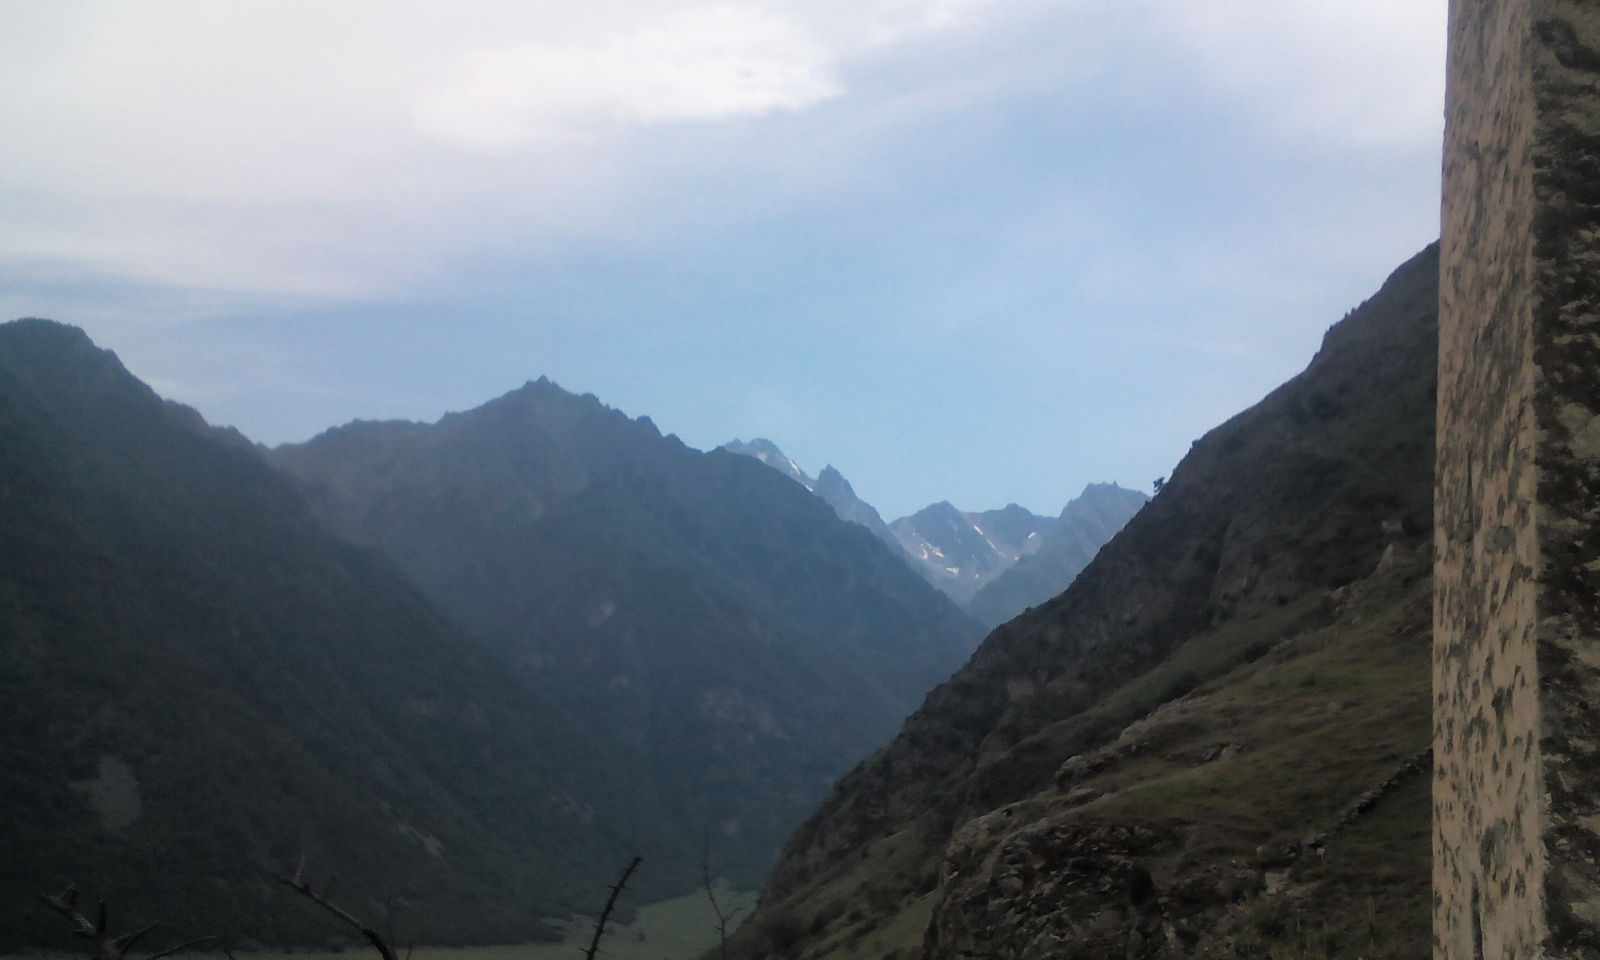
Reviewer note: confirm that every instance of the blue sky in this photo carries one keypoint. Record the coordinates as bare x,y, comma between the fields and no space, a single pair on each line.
975,250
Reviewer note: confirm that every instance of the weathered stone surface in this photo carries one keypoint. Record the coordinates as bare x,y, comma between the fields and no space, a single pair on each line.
1517,602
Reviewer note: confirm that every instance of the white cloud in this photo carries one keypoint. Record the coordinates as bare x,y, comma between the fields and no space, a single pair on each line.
705,63
353,149
346,149
1361,73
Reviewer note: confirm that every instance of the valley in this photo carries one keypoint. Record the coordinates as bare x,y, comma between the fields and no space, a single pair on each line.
469,665
896,480
681,928
1214,743
546,623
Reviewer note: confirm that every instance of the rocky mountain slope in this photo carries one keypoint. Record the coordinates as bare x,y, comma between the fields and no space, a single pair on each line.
1213,743
732,645
202,685
1061,551
830,485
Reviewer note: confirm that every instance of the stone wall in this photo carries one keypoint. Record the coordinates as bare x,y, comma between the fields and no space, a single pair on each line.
1517,578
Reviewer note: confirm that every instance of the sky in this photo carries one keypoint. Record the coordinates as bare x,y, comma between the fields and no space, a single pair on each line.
983,251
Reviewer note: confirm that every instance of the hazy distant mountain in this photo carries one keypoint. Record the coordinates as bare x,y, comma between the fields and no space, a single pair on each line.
959,552
1064,548
732,642
965,554
201,684
768,453
830,485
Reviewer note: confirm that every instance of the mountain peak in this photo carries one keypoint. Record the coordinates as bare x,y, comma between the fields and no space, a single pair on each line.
755,447
943,510
768,453
51,340
1105,487
1096,496
830,485
58,365
41,326
540,389
831,475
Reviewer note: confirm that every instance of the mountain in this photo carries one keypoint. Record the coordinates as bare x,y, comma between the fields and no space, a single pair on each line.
768,453
202,685
1214,742
837,493
731,643
961,552
970,557
830,485
1086,523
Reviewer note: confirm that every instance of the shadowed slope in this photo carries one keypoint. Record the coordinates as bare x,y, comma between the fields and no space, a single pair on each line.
201,684
734,644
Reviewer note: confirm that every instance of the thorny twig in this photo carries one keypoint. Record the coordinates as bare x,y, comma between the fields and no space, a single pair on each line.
611,902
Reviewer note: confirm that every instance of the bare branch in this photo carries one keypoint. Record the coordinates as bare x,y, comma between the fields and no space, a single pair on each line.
107,947
611,903
302,887
723,917
66,905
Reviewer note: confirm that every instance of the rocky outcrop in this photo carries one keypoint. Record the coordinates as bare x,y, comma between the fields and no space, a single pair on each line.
1138,850
1053,890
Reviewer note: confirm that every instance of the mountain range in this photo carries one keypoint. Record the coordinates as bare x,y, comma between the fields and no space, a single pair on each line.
974,558
467,667
203,685
830,485
1055,555
470,666
731,644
